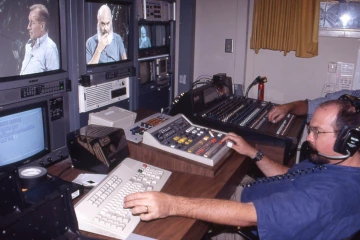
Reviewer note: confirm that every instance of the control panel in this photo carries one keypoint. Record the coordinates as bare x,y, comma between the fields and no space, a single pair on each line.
153,10
181,137
135,132
40,89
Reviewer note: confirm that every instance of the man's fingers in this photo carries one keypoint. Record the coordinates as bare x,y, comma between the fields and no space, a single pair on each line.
135,199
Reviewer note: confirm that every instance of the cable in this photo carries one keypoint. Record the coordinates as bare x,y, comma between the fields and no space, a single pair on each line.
64,170
256,81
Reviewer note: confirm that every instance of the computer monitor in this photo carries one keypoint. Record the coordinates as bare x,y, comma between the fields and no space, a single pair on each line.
23,134
34,132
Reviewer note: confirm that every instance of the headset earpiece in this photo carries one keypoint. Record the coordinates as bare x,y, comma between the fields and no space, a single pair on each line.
348,141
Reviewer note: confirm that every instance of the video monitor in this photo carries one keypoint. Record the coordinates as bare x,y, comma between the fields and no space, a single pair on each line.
30,37
23,134
145,72
161,36
144,36
107,31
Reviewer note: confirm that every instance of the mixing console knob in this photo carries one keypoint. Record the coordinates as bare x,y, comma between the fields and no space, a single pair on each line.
49,159
41,163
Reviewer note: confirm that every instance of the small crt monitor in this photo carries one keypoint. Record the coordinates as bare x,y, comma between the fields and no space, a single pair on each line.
161,36
144,37
107,31
22,135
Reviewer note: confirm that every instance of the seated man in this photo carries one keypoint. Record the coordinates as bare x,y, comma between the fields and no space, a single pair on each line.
303,107
315,199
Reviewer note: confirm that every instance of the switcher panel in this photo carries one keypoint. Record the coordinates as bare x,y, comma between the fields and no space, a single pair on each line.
179,136
135,132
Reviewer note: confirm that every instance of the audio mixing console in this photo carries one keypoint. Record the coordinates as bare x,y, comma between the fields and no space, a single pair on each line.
181,137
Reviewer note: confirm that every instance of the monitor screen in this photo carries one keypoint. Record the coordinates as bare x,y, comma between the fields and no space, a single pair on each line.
161,36
145,72
22,135
29,37
107,28
144,36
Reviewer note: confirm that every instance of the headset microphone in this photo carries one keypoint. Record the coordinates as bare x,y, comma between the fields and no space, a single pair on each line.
336,157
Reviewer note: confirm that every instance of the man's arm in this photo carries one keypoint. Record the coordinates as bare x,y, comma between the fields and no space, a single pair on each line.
266,165
52,59
95,57
102,43
280,111
161,205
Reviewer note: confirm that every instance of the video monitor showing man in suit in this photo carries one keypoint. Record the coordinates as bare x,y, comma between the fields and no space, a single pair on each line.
144,40
106,45
29,37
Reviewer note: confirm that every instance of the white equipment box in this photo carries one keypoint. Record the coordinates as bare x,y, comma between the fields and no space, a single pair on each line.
113,117
101,95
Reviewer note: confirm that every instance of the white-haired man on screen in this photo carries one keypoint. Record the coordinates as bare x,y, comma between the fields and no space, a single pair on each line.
105,46
144,41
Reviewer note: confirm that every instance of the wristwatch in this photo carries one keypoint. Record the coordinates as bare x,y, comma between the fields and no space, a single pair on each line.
259,155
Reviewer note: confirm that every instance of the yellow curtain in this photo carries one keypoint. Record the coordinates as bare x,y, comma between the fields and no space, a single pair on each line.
286,25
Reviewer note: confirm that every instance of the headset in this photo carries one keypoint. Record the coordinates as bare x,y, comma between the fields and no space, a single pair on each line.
348,140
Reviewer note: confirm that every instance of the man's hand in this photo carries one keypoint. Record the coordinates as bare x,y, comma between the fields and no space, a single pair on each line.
240,145
278,112
150,205
103,42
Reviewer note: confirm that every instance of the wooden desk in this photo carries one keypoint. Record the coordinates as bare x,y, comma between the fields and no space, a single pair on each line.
182,184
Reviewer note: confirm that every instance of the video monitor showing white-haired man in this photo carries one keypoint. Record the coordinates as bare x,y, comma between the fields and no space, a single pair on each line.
145,37
29,37
106,31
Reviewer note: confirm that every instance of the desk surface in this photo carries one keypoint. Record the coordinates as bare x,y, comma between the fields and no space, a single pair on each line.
182,184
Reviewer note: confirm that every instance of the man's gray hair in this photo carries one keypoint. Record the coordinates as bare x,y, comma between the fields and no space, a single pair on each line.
44,15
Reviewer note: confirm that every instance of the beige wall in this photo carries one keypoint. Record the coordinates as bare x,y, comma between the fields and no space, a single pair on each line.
289,78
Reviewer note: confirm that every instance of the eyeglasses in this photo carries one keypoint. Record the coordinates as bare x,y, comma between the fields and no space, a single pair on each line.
315,131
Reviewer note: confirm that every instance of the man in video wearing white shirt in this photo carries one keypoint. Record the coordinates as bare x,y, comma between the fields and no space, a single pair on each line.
41,53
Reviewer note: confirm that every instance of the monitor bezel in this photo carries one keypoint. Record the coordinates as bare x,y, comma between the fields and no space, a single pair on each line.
46,128
19,81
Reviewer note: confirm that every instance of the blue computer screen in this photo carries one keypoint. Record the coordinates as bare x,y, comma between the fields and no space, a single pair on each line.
21,136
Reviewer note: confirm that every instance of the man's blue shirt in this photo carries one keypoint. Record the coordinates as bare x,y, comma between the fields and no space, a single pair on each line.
111,53
307,203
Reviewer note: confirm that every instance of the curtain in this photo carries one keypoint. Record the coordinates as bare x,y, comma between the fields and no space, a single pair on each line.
286,25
